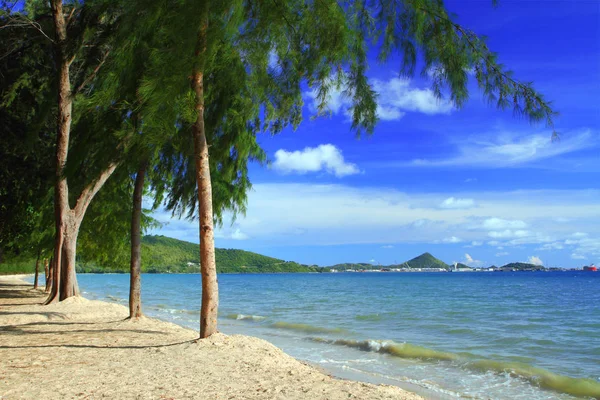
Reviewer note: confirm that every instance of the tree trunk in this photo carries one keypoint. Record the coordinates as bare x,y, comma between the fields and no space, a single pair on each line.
46,273
208,267
68,277
135,287
37,270
49,276
65,106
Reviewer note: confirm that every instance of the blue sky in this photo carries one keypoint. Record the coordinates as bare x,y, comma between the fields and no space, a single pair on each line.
474,185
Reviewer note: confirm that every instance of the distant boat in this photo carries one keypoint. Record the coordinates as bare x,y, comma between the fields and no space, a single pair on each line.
591,268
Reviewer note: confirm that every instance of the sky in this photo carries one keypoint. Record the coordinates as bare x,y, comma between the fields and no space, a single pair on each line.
473,185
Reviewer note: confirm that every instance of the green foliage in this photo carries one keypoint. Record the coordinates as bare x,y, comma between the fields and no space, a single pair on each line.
22,264
162,254
353,266
520,266
26,138
425,260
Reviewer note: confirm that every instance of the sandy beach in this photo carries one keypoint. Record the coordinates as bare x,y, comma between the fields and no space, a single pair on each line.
83,349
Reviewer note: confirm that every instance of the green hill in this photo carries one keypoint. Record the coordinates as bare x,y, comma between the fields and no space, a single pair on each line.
425,260
353,266
519,266
162,254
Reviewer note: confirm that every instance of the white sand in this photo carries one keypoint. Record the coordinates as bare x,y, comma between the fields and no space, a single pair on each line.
82,349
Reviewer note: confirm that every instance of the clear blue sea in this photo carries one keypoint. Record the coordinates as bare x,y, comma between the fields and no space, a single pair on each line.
527,335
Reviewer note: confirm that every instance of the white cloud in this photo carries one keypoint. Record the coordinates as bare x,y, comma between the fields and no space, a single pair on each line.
535,260
239,235
452,239
502,254
326,214
499,223
398,94
507,233
584,245
388,246
455,203
421,222
470,180
471,262
396,97
551,246
576,256
511,149
325,157
579,235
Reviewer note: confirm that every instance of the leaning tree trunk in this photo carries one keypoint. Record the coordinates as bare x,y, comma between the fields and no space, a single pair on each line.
135,286
208,267
67,220
37,270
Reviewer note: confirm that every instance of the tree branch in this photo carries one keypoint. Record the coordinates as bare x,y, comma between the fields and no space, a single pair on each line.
21,21
93,74
92,188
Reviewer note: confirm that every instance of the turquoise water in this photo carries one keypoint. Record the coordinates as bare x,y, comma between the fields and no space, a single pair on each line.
446,335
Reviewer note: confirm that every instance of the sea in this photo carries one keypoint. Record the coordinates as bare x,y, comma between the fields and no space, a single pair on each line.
497,335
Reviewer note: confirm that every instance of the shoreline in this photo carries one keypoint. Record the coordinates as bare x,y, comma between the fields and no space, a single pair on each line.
83,348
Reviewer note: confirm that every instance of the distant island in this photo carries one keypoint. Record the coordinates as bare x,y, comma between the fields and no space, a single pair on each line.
161,254
428,263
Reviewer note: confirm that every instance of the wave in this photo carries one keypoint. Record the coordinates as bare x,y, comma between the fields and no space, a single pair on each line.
580,387
402,350
246,317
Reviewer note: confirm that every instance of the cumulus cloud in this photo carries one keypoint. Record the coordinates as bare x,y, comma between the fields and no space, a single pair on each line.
396,97
452,239
512,149
333,214
452,203
499,223
398,94
535,260
388,246
471,262
502,254
325,157
584,245
238,235
551,246
576,256
507,233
